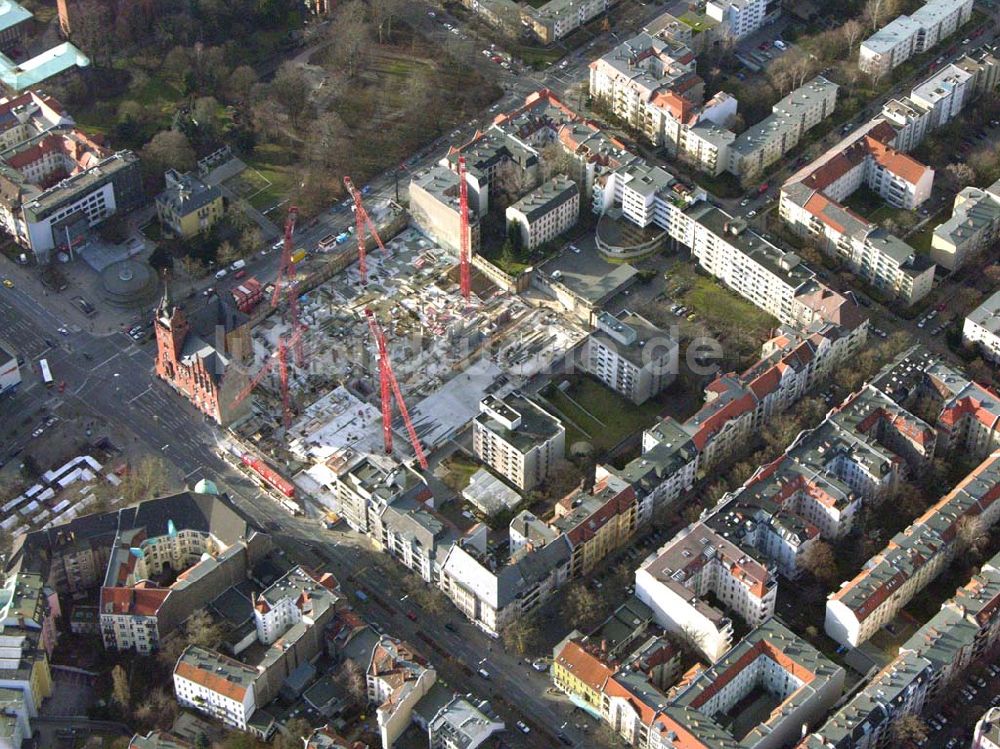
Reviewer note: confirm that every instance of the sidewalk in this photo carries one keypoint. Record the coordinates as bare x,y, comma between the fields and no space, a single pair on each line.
82,281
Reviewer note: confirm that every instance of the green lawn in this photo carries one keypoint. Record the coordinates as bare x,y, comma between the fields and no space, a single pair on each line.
864,201
605,416
276,164
921,241
459,471
697,22
537,56
722,309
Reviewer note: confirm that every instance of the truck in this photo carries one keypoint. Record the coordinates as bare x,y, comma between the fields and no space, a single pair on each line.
248,295
299,255
343,237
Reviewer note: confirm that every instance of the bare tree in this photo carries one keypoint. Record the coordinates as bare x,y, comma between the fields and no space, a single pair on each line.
910,498
227,253
511,183
873,12
328,142
582,607
157,710
909,728
791,70
270,118
970,535
353,679
169,149
960,175
240,83
202,630
520,635
91,25
852,30
145,479
818,560
120,692
291,89
350,43
691,641
384,12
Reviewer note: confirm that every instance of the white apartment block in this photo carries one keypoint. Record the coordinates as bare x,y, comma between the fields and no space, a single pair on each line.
707,145
557,18
982,328
943,95
693,564
764,143
545,212
974,225
652,85
215,685
518,439
937,100
740,18
631,356
987,733
492,598
911,35
636,80
750,265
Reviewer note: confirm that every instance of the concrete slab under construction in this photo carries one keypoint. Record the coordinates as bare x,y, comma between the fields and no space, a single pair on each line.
446,353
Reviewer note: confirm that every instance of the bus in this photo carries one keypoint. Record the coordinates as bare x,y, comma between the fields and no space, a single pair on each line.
43,365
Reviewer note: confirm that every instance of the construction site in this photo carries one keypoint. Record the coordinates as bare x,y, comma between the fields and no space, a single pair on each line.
446,351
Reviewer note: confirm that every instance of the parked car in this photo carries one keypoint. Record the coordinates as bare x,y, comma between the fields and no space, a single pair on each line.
523,727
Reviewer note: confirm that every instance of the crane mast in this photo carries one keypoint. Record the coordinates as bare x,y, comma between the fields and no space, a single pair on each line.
361,222
388,383
465,238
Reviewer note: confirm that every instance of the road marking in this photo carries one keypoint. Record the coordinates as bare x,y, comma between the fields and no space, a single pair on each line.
106,361
137,397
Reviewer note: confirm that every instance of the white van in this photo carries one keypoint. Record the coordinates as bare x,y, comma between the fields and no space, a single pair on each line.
780,44
241,263
220,275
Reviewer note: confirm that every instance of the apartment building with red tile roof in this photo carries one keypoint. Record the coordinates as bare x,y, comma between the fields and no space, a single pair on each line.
914,557
397,677
812,200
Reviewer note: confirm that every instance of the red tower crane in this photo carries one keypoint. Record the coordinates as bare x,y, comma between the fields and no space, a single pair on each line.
285,264
361,222
387,382
285,283
464,238
298,327
281,357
